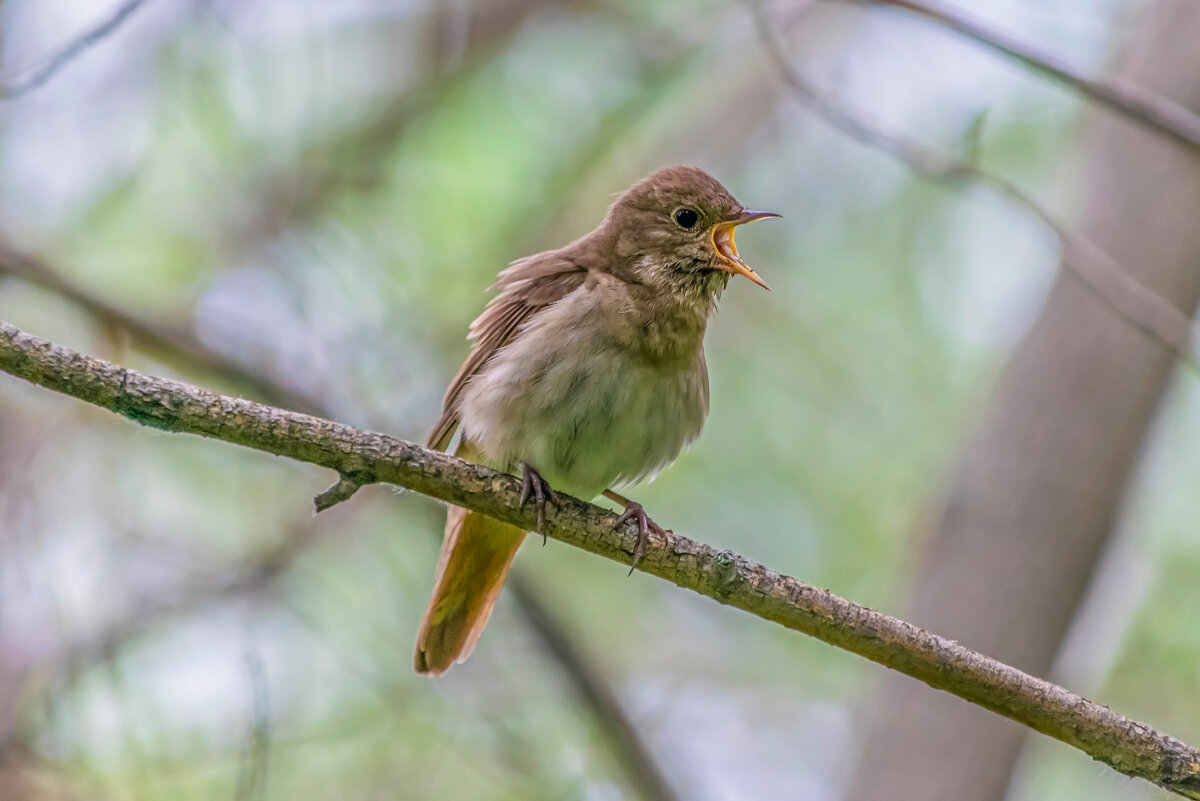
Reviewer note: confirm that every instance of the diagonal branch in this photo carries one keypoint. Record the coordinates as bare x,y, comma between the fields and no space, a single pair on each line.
32,79
1131,101
1135,303
1130,747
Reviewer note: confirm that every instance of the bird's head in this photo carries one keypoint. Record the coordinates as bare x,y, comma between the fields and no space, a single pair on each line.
676,226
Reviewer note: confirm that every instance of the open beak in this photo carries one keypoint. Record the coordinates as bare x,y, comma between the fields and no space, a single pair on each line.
722,241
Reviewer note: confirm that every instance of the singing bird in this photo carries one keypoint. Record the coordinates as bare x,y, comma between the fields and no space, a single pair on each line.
587,373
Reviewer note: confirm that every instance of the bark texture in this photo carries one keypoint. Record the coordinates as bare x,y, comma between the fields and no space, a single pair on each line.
1038,490
362,457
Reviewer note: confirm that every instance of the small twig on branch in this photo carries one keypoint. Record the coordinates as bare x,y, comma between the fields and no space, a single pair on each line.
1132,748
1099,272
32,79
1131,101
343,490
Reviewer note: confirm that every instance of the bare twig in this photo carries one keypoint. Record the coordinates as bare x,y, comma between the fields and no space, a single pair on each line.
32,79
1128,746
343,490
1133,302
1134,102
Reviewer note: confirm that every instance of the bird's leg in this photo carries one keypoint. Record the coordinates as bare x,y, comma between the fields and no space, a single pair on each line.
634,511
532,484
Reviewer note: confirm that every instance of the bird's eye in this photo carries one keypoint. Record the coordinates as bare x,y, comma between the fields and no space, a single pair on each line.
686,218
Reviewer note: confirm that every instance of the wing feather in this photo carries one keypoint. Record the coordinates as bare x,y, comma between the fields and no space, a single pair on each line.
526,287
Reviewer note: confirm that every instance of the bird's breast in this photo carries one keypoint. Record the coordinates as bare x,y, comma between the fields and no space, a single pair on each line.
588,399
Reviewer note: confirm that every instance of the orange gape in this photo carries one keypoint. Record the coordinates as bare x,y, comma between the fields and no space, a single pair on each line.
476,554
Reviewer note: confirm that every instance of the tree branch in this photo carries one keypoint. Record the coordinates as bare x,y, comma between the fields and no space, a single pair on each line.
1132,748
32,79
1131,101
1136,304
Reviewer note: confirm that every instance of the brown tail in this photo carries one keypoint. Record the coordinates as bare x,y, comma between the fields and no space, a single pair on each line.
476,554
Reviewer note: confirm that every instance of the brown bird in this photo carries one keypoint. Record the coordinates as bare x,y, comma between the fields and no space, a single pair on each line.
587,373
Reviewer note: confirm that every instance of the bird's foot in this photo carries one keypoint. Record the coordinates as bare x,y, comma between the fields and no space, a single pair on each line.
534,486
634,511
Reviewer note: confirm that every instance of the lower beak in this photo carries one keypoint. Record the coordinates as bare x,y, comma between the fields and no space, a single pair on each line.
722,241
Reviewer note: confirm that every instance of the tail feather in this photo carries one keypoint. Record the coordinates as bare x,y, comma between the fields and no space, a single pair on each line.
477,552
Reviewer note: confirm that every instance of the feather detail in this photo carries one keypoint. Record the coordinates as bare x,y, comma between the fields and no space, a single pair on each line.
526,286
477,552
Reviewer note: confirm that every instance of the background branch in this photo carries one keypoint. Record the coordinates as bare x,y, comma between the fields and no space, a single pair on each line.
157,337
38,76
1132,748
1145,107
1133,302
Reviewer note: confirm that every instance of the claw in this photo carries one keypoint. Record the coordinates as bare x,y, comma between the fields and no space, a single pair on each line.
532,484
634,511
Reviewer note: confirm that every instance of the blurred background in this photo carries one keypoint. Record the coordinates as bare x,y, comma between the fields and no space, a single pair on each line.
304,202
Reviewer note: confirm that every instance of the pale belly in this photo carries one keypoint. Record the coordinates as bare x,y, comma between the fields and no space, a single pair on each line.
583,412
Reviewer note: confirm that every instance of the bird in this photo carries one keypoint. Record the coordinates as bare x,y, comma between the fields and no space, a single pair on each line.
586,374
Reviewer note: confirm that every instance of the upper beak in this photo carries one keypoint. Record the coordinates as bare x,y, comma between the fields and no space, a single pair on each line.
722,241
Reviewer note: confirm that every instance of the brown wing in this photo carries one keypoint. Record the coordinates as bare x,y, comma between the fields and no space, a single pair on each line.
526,286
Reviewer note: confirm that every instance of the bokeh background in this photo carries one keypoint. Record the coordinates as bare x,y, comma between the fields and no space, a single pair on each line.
304,202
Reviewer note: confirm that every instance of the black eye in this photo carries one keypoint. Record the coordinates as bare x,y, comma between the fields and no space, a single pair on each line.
686,218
